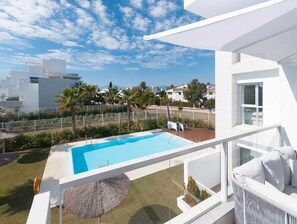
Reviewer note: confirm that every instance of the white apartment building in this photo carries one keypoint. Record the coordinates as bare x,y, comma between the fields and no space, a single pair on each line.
35,88
177,93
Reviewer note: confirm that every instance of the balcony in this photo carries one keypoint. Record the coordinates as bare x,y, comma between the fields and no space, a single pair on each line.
157,182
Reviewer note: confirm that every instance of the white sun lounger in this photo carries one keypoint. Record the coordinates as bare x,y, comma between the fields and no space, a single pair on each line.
172,125
182,127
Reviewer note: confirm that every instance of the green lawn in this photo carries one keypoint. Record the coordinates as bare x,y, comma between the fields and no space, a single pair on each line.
16,179
152,199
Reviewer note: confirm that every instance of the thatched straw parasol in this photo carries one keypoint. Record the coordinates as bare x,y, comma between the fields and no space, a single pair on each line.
97,198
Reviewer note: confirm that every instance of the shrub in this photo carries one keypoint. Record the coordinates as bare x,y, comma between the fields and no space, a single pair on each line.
192,187
204,195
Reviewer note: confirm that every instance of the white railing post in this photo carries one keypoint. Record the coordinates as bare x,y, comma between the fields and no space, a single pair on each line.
102,119
133,115
157,113
224,171
279,130
61,124
60,205
145,114
84,121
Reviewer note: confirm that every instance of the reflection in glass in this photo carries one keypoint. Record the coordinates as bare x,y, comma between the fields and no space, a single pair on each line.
249,94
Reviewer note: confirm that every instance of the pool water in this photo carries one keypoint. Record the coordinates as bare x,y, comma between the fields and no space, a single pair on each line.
92,156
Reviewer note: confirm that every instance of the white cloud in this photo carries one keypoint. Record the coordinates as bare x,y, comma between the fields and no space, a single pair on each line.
140,23
162,8
84,3
131,69
71,44
91,36
136,3
101,12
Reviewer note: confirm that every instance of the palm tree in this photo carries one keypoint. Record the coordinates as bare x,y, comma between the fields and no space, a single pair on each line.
89,93
70,100
164,98
128,97
112,96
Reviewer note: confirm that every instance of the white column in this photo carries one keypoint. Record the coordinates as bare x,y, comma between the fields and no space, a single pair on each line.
224,171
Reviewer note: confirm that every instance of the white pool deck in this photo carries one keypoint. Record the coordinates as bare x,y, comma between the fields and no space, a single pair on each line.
57,165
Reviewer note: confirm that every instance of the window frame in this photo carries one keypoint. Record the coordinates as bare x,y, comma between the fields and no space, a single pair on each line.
242,106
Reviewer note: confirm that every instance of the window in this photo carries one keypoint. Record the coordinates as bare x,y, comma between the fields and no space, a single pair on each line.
252,104
179,93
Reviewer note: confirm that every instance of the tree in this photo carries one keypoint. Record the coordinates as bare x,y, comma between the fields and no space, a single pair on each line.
166,100
195,92
143,98
143,86
88,94
110,85
112,96
210,104
128,97
170,87
70,99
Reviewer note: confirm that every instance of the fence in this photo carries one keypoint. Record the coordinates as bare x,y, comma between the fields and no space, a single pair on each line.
100,119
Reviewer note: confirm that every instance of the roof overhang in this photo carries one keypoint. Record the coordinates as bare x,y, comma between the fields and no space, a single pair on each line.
267,30
207,8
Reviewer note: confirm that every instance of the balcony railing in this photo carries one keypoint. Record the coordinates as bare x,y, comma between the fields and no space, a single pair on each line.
221,153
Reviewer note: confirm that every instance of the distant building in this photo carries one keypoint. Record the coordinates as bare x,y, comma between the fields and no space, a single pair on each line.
177,93
210,92
35,88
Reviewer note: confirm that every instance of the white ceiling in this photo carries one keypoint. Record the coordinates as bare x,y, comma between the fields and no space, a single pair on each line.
267,30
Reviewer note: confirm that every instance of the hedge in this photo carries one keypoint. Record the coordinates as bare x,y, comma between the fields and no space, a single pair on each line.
46,139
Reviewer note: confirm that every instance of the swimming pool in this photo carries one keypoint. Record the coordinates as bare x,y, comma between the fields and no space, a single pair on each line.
91,156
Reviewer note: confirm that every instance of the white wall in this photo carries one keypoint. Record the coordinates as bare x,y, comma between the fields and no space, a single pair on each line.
288,105
29,96
55,66
228,75
35,69
196,167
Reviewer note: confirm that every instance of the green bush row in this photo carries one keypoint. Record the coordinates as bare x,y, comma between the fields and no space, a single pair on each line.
45,139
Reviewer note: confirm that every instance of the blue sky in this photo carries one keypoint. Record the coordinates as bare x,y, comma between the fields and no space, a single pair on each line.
102,40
